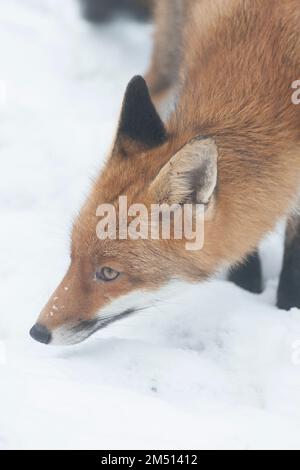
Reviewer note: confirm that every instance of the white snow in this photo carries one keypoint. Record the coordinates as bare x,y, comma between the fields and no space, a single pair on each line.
214,367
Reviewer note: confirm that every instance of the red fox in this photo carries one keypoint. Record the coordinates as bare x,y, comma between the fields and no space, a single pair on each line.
231,143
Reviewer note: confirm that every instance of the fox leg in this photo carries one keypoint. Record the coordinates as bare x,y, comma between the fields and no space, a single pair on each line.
98,11
164,71
289,286
248,275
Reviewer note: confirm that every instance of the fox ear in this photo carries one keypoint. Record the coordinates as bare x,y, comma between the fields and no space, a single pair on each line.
190,176
139,121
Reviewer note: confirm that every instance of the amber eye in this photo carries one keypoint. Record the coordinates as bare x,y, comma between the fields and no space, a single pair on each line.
106,274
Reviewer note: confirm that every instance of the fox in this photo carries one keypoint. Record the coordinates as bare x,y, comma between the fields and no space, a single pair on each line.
230,141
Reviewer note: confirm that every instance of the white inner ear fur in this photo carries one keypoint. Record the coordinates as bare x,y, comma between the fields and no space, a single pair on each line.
190,175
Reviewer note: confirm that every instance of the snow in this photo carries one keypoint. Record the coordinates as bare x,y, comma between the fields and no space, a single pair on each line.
213,367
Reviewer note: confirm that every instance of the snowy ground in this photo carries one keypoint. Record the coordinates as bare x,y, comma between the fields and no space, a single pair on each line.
214,368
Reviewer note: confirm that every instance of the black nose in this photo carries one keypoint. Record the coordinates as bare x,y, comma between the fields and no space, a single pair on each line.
40,333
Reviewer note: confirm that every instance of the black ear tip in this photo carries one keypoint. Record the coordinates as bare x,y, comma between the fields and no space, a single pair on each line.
137,84
137,79
139,119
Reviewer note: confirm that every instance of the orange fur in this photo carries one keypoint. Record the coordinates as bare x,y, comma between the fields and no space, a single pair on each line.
240,59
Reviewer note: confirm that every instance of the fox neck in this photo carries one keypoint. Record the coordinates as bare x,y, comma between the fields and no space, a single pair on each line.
248,110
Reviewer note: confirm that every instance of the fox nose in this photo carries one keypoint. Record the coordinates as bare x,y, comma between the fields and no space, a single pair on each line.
40,333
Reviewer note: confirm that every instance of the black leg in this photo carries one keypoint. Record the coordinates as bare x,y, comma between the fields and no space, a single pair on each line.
289,286
98,11
249,276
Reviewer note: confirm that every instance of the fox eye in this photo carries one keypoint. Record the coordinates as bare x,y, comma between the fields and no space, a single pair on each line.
106,274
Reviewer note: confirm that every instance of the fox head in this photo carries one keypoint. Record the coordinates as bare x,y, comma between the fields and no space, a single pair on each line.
109,279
